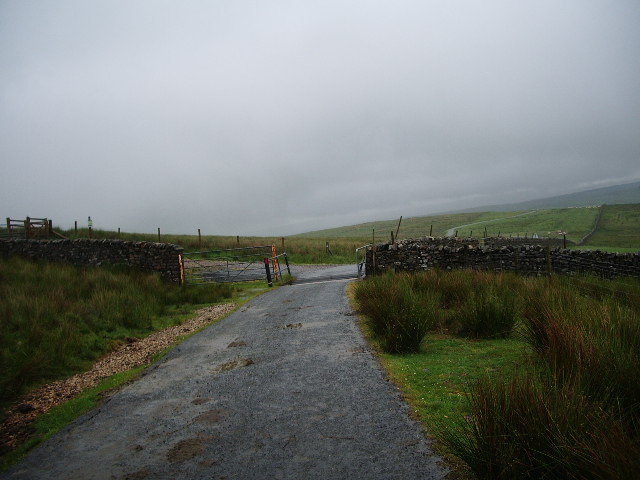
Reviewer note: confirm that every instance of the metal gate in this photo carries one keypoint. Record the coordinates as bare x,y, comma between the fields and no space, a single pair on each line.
233,265
229,265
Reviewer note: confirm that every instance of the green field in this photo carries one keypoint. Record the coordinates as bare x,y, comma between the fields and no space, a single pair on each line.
619,226
617,230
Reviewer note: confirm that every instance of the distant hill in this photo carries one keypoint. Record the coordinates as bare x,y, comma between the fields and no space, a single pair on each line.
614,195
619,225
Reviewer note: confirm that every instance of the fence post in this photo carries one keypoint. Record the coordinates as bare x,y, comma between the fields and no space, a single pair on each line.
398,229
118,233
199,240
431,230
266,267
286,260
158,234
76,226
27,228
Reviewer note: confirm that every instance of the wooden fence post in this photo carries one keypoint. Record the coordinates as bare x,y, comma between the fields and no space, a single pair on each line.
158,234
199,240
27,228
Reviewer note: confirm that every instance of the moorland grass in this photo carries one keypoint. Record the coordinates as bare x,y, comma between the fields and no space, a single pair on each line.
55,320
403,308
558,398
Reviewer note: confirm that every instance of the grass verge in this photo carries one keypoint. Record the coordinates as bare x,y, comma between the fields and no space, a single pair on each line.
69,316
557,398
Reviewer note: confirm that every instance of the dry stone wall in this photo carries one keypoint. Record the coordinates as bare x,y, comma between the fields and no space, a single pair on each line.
528,259
160,258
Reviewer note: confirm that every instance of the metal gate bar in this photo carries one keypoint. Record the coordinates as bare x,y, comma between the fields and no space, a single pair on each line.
225,265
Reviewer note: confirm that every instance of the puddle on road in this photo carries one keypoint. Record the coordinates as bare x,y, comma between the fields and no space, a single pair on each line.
188,449
213,416
232,365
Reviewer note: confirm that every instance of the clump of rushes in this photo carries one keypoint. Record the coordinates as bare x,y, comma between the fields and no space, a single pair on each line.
399,316
487,312
403,308
530,427
57,319
575,411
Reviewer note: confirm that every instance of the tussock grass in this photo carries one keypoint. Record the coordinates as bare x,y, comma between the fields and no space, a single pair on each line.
55,320
570,406
403,308
400,316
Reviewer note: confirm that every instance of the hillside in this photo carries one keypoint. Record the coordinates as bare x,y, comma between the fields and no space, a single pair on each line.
614,195
618,225
574,213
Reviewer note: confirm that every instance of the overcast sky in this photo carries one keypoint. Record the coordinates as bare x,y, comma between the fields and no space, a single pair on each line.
278,117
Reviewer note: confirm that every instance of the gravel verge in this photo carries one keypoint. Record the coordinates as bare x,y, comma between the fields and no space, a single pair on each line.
17,426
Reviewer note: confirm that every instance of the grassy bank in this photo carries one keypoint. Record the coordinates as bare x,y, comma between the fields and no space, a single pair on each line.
55,320
517,377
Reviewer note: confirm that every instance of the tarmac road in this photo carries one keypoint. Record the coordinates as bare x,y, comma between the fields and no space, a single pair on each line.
285,388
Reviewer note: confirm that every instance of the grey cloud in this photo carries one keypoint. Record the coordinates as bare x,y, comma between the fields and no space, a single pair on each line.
250,117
